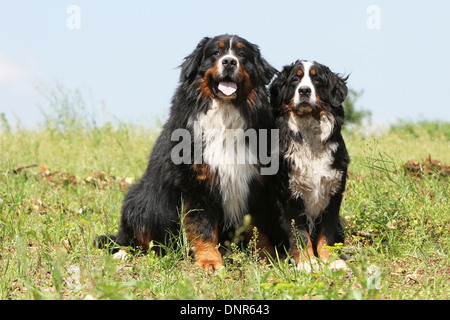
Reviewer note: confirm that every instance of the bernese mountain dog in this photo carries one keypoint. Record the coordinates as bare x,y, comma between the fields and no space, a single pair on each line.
307,101
193,166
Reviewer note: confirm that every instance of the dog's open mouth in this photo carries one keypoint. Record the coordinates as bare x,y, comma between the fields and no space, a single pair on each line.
227,87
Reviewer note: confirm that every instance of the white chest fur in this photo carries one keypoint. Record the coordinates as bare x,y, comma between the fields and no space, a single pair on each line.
219,124
312,178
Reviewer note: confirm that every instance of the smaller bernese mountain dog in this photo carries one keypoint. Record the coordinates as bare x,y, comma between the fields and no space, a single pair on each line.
307,100
194,166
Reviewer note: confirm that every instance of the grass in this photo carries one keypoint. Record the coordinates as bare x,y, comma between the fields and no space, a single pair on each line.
62,184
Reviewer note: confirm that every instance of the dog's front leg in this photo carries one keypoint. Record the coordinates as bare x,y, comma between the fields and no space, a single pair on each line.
203,237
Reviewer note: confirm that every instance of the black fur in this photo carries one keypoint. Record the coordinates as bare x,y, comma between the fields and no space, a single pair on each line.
151,209
331,91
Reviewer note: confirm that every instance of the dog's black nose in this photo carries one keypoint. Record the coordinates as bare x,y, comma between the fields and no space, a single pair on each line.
229,62
304,91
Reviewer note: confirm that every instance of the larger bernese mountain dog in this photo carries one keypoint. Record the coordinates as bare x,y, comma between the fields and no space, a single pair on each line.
193,166
307,100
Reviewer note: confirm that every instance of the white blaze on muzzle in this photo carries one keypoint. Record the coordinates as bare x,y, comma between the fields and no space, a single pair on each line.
306,82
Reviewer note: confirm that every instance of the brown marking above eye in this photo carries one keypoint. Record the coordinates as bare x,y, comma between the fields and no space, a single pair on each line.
221,44
299,72
313,72
239,45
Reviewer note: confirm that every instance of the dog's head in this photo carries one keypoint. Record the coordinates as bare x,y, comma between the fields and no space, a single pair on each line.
304,88
226,67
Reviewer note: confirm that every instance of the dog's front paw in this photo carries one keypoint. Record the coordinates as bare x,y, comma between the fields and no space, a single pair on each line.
210,265
210,260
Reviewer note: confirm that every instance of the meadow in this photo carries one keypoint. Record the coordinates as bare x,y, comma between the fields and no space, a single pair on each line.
63,183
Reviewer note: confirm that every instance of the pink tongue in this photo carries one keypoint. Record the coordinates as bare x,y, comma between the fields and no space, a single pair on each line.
227,88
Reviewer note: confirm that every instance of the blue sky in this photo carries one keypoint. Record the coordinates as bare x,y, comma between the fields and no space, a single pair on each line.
124,55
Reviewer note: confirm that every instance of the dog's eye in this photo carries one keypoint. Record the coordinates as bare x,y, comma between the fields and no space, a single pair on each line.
216,53
316,79
241,54
295,79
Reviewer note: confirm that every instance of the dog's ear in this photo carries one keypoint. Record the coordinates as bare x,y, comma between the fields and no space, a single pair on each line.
338,88
276,96
268,70
265,70
192,62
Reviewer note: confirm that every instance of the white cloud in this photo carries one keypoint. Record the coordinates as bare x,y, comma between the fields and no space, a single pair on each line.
18,78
